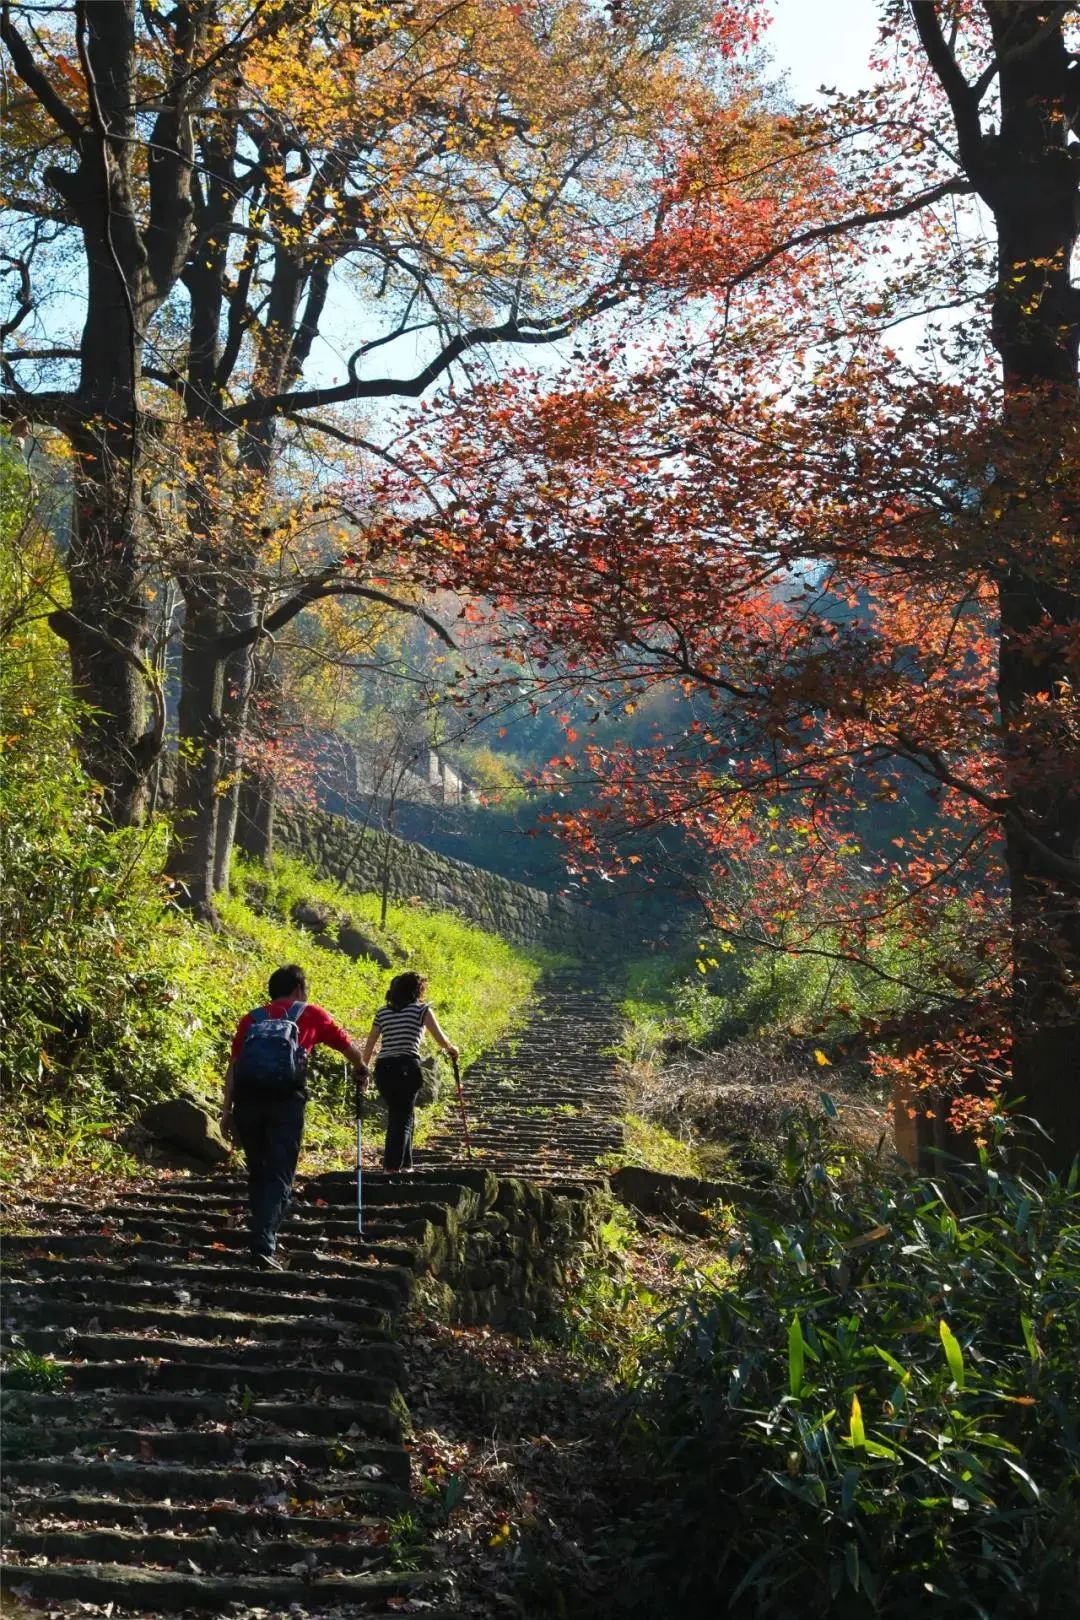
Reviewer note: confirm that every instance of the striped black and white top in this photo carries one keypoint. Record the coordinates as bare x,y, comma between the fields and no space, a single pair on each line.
401,1029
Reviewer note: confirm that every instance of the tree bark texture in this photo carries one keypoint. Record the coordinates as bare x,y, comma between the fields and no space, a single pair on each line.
1028,174
255,818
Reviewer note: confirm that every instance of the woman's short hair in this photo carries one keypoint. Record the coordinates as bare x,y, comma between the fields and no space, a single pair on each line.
405,988
288,981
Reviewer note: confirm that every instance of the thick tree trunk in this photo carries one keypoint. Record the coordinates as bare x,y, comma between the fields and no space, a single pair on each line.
1029,176
1044,785
126,282
107,631
255,820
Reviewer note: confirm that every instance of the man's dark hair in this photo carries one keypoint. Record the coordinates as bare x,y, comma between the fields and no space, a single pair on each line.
288,981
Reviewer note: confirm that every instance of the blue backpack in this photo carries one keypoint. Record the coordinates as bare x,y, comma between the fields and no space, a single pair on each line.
272,1061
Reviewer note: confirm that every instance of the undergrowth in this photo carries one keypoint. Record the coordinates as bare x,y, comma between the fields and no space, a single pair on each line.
112,998
651,1147
712,993
874,1415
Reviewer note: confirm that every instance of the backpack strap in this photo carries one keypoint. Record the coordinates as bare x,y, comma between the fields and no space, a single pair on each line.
257,1014
296,1011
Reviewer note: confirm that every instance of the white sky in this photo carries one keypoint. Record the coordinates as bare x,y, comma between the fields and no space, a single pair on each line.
818,42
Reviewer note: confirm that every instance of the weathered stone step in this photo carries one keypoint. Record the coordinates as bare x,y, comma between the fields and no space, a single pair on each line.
208,1214
201,1446
349,1280
64,1287
248,1522
157,1592
208,1554
206,1325
366,1418
381,1190
514,1136
225,1375
102,1245
168,1481
380,1358
397,1241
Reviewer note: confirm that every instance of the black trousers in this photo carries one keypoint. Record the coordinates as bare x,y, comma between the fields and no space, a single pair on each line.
398,1080
270,1133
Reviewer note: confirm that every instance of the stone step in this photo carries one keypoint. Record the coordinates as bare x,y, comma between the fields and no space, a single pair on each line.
386,1288
205,1212
256,1554
379,1358
101,1245
340,1419
201,1446
226,1374
380,1188
387,1285
160,1592
246,1522
181,1231
167,1481
59,1314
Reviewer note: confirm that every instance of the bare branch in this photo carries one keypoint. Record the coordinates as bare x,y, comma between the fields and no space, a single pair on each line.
35,80
510,331
855,222
962,97
317,590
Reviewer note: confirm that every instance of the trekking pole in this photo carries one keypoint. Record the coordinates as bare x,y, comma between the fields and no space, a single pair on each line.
461,1104
359,1100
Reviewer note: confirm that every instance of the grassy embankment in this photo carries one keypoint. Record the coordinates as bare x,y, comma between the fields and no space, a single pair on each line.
175,990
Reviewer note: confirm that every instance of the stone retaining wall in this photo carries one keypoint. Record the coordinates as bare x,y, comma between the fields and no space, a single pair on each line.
513,1258
341,849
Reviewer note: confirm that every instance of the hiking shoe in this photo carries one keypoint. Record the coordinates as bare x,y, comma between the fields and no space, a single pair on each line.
266,1262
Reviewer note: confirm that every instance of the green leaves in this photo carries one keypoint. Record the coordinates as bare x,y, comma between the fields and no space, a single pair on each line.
875,1429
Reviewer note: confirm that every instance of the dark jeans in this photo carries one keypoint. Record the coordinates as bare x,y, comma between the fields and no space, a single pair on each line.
270,1133
397,1080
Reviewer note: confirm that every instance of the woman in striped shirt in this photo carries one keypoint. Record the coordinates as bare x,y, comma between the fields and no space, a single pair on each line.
400,1027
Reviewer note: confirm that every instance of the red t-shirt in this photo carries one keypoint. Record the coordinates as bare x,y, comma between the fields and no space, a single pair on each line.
315,1026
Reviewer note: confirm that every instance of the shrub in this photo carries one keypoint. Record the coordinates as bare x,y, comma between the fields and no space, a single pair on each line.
878,1416
90,1017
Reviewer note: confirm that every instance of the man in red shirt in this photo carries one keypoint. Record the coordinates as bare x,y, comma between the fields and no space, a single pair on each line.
270,1125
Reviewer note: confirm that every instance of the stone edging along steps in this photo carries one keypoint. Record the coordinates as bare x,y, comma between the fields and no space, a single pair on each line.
220,1435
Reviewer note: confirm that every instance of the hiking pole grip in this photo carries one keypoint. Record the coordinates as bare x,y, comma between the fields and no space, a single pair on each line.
461,1105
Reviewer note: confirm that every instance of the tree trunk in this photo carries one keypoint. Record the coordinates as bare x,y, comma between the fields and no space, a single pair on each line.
239,684
107,631
1029,177
255,819
1045,902
198,773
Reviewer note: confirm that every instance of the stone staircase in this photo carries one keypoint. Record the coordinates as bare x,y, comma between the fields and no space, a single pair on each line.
205,1438
546,1101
